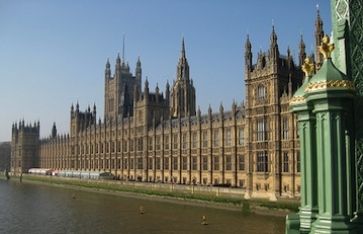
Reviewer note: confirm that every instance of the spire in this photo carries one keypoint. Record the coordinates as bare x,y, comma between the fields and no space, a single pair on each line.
302,53
118,60
248,53
138,74
54,131
273,36
182,55
183,67
274,50
319,33
108,68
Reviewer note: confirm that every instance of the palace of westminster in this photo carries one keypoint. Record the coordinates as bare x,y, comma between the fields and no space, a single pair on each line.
161,137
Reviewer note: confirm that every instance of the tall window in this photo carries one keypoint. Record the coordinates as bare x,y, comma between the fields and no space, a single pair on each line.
285,167
205,139
228,163
285,128
131,145
166,143
261,129
261,92
194,163
241,136
175,141
124,146
262,161
139,163
184,140
132,163
150,143
150,162
228,137
119,146
298,161
139,144
241,162
125,163
158,163
166,163
216,163
185,162
215,138
175,163
205,163
194,140
158,143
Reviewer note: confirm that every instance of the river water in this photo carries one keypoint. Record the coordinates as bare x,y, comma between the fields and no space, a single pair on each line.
36,208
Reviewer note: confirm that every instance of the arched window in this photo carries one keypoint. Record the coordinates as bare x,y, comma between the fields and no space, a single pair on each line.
261,92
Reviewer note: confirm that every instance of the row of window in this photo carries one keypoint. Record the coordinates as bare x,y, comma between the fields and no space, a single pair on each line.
262,163
262,129
127,146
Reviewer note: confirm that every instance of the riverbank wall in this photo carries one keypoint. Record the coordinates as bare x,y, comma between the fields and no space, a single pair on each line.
219,197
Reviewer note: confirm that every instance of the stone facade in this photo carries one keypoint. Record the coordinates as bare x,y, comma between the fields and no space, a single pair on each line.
161,137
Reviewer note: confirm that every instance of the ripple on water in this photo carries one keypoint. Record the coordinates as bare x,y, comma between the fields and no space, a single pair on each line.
34,208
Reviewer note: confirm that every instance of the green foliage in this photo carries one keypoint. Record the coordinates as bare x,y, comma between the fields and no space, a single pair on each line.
281,205
246,205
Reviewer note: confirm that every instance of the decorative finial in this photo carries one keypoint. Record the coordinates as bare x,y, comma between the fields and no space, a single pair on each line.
308,67
326,48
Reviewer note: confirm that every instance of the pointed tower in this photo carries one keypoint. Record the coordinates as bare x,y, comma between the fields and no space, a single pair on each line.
138,74
119,88
319,33
183,92
274,48
248,54
302,53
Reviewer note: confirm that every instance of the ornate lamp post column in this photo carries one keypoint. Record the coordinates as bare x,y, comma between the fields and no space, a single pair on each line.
331,94
302,221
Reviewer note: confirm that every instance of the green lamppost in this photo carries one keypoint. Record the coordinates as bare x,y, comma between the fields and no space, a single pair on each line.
302,221
331,95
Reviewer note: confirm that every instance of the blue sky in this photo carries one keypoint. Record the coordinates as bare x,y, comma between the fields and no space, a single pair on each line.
53,53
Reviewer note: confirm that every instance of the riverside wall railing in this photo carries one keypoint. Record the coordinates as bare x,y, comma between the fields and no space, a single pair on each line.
225,192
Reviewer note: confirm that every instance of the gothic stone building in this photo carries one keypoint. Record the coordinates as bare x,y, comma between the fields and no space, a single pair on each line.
161,137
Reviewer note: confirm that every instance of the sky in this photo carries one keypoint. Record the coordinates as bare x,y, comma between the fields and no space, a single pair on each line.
53,53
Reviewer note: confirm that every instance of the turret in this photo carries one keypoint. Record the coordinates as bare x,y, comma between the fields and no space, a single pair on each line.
108,69
319,33
302,53
118,64
54,131
248,54
157,92
274,49
167,92
72,110
183,93
138,74
183,67
146,90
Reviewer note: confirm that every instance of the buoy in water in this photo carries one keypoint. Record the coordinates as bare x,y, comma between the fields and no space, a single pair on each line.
204,220
142,210
74,197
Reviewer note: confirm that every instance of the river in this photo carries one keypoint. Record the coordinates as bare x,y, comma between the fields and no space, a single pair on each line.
37,208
